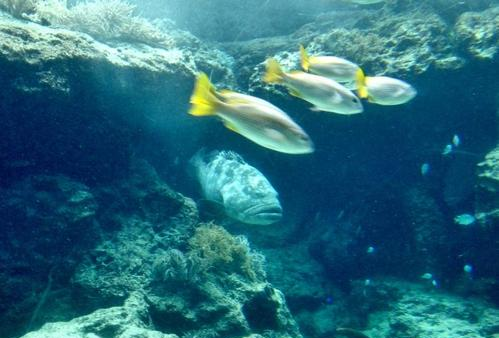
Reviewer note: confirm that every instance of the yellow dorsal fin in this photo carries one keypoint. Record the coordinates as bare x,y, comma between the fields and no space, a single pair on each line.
203,98
304,58
361,84
274,73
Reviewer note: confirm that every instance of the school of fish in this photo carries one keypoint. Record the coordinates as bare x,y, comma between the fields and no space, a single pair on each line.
326,82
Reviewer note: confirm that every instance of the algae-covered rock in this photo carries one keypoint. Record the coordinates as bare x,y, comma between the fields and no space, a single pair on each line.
404,44
478,33
144,216
423,313
46,222
487,189
223,290
127,321
70,101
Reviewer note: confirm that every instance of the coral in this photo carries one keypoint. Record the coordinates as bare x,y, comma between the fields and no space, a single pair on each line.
102,19
174,267
398,44
487,189
478,32
217,250
423,313
18,8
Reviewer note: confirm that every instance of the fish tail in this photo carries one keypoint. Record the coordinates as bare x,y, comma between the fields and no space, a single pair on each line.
274,73
203,99
304,59
361,84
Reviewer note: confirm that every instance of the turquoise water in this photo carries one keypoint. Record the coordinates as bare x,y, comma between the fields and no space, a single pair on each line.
306,205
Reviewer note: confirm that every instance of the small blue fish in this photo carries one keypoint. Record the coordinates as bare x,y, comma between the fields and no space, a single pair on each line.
370,250
468,268
427,276
425,169
434,283
447,150
456,141
464,219
367,282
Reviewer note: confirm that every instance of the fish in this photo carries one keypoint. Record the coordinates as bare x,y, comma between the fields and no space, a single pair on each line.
464,219
384,90
468,268
332,67
427,275
447,149
256,119
243,192
456,141
325,94
425,169
370,250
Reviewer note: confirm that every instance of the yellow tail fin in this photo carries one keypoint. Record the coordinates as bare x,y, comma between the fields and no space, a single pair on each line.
203,99
305,61
361,84
273,72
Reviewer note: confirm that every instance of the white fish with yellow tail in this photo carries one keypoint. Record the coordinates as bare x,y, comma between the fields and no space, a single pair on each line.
384,90
251,117
332,67
325,94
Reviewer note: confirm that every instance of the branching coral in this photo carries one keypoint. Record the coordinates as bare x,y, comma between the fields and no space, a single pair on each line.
103,19
18,8
216,249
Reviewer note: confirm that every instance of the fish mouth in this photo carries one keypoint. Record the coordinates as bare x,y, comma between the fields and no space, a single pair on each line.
263,214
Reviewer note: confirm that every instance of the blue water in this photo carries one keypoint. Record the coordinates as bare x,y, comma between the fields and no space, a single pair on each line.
357,209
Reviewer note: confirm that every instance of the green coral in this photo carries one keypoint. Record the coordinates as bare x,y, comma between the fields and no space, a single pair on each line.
217,250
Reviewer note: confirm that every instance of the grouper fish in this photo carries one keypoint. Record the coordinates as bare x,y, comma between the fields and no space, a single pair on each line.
240,189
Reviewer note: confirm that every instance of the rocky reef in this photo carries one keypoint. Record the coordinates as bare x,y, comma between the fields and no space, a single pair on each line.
55,79
422,313
488,189
144,248
403,40
96,240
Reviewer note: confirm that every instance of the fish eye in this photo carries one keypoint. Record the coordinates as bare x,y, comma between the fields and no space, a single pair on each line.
355,100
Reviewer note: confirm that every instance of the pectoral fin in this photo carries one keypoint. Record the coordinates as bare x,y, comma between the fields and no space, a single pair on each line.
230,126
294,93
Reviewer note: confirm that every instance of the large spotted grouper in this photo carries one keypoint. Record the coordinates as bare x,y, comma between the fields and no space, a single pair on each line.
245,194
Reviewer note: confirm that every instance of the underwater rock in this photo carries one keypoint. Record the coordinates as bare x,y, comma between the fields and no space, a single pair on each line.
127,321
54,81
47,221
142,216
223,290
423,313
403,44
477,32
197,278
487,189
